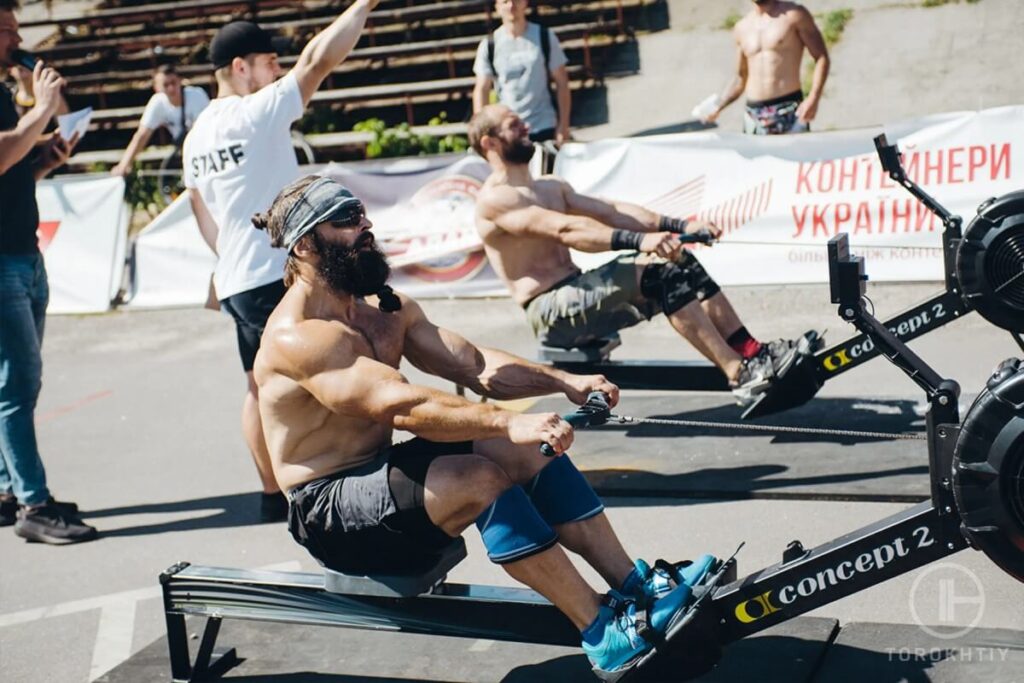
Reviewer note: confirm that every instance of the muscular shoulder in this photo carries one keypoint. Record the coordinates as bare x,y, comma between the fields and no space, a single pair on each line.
498,198
303,348
551,183
796,12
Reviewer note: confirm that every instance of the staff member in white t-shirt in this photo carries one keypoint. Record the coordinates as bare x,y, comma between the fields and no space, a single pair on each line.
237,157
172,106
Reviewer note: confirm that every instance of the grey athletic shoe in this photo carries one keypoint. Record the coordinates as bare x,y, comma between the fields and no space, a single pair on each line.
781,353
755,378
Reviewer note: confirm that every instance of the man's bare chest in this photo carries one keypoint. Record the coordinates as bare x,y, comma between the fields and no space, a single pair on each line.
772,35
543,196
382,336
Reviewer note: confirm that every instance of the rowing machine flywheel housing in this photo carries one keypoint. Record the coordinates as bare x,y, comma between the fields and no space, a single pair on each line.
990,262
988,469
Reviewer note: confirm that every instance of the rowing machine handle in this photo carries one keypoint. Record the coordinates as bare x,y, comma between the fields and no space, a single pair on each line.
592,413
702,236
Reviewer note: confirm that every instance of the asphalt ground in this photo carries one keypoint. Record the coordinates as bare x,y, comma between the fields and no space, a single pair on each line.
139,423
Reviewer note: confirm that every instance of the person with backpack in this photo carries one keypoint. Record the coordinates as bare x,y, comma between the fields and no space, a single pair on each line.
521,59
173,106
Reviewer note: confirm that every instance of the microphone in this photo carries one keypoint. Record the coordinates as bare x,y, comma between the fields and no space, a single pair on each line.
25,59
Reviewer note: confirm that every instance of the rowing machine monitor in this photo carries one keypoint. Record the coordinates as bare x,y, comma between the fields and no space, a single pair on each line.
889,155
846,275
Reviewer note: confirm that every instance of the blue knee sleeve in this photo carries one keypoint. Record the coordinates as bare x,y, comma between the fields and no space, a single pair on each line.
512,529
562,495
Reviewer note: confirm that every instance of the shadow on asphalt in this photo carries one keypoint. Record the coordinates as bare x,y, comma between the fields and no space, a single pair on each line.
731,483
310,677
885,416
222,512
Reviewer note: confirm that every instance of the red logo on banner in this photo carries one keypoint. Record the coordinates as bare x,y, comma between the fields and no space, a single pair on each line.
450,199
46,232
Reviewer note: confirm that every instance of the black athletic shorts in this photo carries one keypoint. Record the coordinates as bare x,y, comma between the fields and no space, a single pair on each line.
371,518
251,309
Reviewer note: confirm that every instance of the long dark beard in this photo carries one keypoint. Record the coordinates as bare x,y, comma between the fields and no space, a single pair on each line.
519,152
359,270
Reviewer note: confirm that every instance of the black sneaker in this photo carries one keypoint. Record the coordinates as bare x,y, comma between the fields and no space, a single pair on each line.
49,524
273,507
65,506
8,511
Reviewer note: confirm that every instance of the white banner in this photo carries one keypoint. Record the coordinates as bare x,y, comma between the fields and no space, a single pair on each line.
172,264
83,226
422,209
779,199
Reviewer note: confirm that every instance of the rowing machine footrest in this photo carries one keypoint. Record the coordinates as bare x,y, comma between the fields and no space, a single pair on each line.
399,585
596,351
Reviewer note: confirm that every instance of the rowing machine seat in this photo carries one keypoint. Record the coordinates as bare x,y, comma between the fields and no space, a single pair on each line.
397,584
596,351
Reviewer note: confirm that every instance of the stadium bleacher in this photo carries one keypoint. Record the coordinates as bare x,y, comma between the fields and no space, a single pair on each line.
413,61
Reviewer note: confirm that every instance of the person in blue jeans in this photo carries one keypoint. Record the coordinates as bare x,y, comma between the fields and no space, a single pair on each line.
25,500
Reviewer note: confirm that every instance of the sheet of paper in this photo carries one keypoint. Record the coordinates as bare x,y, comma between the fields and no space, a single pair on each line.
74,122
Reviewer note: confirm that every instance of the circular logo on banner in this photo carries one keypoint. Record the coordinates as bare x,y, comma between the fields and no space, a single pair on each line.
445,209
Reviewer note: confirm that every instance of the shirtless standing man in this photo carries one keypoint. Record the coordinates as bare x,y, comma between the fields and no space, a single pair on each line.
771,40
331,396
528,227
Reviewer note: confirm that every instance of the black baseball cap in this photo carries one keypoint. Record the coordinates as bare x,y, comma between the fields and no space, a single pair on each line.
241,38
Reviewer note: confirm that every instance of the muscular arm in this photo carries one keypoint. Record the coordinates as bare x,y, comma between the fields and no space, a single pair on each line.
507,210
488,372
327,364
329,47
612,213
207,225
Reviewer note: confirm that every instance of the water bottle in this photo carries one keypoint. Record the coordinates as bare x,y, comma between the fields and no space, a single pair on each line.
706,107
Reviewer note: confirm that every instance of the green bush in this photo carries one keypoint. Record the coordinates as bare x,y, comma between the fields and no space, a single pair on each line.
834,24
142,193
402,141
731,19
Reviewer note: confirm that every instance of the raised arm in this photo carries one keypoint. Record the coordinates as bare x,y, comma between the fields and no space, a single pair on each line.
815,44
329,48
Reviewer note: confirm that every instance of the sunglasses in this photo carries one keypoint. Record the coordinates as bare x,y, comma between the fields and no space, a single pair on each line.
348,217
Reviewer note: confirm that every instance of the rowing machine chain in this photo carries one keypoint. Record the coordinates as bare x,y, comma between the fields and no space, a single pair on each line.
626,419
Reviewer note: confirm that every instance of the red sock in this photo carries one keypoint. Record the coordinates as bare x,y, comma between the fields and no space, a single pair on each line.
742,343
